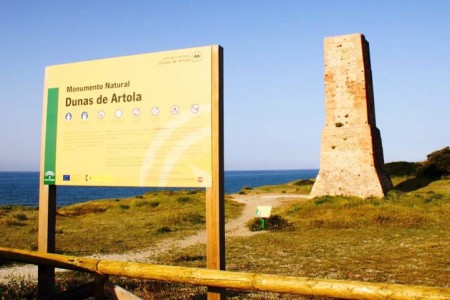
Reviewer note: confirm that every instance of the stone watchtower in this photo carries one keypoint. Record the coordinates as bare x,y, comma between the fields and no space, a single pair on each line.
351,156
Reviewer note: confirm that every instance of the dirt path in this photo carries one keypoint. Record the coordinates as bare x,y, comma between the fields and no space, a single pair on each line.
233,228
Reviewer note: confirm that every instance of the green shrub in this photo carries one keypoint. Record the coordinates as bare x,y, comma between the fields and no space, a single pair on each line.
437,164
441,160
273,223
194,218
164,229
10,222
154,204
303,182
183,199
142,203
82,209
323,200
21,217
277,222
430,171
18,288
401,168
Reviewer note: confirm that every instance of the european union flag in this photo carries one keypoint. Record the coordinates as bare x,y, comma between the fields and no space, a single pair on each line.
66,177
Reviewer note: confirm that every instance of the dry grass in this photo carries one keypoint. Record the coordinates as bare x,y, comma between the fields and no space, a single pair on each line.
403,238
113,226
18,226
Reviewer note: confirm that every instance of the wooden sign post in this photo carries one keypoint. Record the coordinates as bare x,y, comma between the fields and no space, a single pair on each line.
215,202
165,108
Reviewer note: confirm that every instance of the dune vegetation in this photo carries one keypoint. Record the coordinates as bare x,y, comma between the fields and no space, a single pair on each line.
402,238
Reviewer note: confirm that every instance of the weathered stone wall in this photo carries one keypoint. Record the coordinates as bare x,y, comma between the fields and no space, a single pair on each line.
351,158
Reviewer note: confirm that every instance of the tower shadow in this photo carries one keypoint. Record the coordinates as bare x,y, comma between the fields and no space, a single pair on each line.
414,184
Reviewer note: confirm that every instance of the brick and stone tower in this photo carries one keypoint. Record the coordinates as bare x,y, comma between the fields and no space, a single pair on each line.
351,156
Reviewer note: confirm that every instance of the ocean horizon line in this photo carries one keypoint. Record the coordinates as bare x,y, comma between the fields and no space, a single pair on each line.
22,187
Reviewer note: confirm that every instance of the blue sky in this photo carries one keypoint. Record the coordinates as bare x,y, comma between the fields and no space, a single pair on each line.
273,64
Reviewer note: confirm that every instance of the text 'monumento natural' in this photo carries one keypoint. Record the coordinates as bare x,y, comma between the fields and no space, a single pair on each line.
351,157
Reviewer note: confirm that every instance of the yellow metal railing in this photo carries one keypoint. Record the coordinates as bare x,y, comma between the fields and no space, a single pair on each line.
226,279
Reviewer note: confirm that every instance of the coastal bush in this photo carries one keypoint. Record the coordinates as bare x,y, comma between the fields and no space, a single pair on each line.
436,165
18,287
190,258
254,224
294,187
83,209
273,223
183,199
303,182
338,237
11,222
441,160
152,204
193,218
401,168
323,200
277,222
163,229
102,226
124,206
6,208
141,203
21,217
397,210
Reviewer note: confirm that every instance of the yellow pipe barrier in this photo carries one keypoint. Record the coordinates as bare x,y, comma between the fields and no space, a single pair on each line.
234,280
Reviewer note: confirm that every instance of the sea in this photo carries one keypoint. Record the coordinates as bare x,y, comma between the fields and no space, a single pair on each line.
22,188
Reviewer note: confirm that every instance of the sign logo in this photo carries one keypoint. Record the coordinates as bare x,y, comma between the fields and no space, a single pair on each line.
196,56
49,177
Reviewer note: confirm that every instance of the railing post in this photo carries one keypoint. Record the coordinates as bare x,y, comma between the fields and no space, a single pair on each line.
100,281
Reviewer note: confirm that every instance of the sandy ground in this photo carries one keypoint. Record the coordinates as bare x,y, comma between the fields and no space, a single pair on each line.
234,227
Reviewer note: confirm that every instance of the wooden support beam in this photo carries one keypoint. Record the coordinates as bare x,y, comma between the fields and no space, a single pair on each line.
46,237
47,197
215,209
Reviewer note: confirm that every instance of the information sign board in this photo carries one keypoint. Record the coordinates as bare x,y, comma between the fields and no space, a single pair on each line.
263,211
141,120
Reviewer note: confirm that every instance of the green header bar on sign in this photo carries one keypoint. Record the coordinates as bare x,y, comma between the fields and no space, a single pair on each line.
50,136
